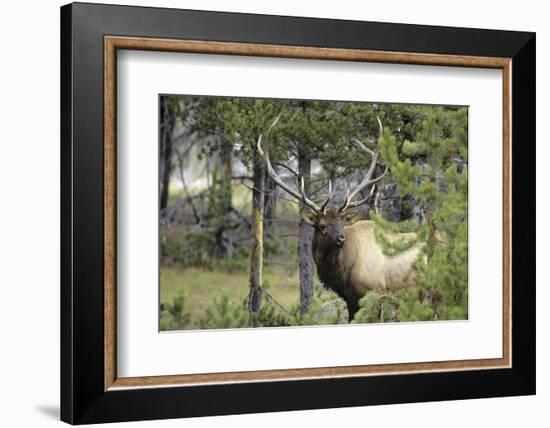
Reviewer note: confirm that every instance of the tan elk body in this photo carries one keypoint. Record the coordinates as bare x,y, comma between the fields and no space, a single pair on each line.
369,268
348,258
360,265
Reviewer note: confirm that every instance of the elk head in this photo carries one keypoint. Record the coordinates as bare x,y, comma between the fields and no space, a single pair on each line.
329,225
328,222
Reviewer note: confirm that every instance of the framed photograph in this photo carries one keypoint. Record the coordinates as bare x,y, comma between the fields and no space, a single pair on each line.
266,213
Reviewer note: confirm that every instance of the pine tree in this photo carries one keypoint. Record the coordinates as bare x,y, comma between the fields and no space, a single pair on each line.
244,120
431,171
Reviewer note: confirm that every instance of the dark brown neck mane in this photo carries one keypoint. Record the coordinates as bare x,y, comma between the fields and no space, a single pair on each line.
332,272
329,261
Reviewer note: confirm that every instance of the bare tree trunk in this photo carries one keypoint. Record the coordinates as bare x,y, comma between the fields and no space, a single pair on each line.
185,189
305,239
256,253
270,204
166,149
223,201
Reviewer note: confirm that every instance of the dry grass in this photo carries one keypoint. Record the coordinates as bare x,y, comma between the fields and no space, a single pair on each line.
201,286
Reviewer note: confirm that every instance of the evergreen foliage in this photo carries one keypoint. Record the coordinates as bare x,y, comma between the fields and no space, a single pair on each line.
224,313
432,170
377,308
426,151
324,309
176,316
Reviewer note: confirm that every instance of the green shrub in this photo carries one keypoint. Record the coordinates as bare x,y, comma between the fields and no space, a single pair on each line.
273,246
195,250
271,312
269,315
410,304
375,308
223,313
413,306
325,309
173,315
238,263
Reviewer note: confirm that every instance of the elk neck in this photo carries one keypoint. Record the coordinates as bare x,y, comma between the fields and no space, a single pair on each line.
329,259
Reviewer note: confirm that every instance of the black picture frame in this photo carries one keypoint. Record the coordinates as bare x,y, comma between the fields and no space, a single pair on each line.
83,398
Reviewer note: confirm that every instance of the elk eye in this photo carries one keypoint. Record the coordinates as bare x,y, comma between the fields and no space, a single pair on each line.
322,227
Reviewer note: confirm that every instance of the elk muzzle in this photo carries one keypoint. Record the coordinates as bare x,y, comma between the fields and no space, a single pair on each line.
341,240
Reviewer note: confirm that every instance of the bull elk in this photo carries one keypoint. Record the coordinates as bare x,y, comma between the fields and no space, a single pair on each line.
349,260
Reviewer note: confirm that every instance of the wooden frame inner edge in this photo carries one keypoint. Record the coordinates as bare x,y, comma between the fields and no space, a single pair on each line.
112,43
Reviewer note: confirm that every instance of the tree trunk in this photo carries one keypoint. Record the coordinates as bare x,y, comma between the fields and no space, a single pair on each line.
305,239
270,205
188,197
223,201
256,253
166,151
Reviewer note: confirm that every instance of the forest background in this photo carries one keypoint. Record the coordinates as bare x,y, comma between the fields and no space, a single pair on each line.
217,203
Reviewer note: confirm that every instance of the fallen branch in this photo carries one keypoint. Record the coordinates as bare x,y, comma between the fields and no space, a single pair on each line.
273,300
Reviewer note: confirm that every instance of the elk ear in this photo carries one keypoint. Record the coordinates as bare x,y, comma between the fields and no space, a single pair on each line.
351,217
310,218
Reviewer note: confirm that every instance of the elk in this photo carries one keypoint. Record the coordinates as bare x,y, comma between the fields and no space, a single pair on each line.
349,260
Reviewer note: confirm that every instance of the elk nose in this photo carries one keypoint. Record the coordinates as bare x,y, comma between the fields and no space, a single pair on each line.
341,239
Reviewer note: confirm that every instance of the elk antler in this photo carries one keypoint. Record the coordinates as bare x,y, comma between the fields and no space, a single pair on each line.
301,196
367,180
330,194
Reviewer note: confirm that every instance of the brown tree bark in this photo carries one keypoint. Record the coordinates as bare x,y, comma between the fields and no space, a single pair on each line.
305,238
256,253
270,205
223,246
166,151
